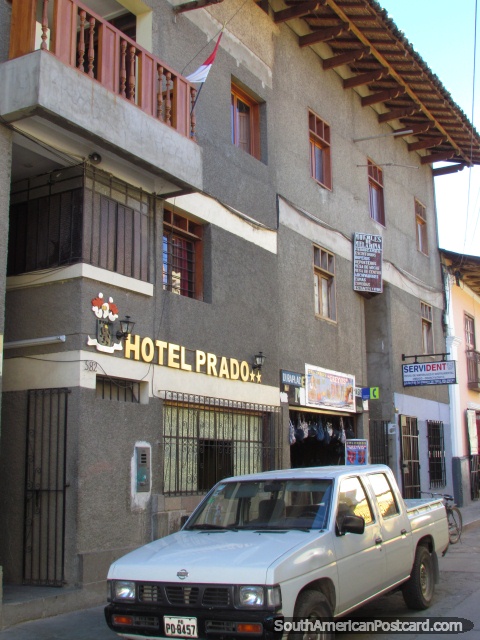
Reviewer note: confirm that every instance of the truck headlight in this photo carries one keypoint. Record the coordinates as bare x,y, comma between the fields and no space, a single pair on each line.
251,596
123,590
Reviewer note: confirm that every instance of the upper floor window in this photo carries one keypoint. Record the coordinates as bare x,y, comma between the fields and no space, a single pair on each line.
320,161
469,332
375,192
245,122
421,226
427,328
324,283
182,255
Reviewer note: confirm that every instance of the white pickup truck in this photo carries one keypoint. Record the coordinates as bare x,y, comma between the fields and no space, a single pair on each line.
267,548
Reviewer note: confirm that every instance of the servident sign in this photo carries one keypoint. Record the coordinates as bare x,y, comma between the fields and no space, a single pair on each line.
425,373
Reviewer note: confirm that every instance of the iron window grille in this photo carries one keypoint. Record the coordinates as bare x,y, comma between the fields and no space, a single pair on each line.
118,389
182,255
206,439
436,454
79,215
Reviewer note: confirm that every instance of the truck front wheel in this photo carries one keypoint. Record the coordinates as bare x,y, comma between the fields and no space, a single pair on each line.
418,590
314,608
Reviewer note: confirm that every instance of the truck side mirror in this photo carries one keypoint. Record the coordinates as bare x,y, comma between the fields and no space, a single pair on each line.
352,524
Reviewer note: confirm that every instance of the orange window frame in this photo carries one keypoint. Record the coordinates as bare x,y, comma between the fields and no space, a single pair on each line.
376,193
421,227
319,138
240,97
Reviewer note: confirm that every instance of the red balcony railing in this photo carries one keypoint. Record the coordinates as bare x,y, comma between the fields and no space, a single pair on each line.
84,40
473,369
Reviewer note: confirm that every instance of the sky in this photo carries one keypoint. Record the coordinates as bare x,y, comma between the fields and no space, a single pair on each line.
443,33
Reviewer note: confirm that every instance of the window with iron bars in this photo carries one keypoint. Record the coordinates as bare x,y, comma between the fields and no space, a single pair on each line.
79,215
182,255
436,454
207,439
118,389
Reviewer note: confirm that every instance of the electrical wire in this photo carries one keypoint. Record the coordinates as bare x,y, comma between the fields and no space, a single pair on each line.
472,130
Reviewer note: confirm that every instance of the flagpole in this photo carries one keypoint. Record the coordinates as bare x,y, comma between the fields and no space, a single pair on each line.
196,98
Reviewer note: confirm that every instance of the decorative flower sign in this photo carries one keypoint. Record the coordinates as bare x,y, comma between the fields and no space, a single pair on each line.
106,313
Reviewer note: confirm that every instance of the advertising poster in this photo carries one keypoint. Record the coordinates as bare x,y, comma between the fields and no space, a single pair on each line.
356,451
327,389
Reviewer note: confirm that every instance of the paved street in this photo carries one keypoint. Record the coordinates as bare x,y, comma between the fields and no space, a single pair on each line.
457,595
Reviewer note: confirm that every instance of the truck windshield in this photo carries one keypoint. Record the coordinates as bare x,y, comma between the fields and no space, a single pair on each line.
279,504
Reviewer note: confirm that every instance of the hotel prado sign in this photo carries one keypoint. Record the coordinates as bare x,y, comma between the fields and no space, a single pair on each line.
166,354
177,356
426,373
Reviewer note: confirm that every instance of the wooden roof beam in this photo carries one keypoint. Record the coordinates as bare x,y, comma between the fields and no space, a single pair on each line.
322,35
357,31
382,96
297,11
364,78
414,129
443,171
426,144
345,58
438,157
195,4
395,114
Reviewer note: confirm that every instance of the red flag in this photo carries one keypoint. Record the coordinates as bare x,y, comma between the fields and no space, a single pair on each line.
200,75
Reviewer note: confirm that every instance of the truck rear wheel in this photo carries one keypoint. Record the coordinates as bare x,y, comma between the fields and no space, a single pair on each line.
418,590
312,606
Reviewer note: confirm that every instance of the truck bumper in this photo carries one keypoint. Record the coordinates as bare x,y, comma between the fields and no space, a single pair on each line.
148,621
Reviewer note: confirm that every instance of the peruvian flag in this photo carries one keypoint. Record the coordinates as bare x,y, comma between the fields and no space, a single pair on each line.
200,75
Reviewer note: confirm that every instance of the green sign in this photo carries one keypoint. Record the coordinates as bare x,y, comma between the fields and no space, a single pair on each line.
374,393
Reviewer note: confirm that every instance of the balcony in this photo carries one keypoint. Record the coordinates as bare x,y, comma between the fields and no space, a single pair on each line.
473,369
92,81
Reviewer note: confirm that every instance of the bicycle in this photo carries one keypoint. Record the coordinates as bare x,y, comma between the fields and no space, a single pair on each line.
454,516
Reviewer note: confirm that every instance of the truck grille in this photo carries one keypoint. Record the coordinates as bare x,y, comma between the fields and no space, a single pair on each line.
185,595
182,595
149,593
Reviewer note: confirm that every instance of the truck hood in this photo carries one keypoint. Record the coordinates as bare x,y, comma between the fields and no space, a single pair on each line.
235,556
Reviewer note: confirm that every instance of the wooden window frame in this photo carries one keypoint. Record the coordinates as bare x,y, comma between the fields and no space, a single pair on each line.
421,227
469,325
427,328
238,94
324,273
177,226
376,196
319,138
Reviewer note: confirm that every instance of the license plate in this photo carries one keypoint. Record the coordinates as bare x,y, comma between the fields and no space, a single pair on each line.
180,627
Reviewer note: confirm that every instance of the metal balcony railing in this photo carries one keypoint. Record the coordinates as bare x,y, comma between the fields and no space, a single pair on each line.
473,369
82,39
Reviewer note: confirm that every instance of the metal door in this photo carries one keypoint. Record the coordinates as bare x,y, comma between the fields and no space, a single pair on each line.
44,525
409,457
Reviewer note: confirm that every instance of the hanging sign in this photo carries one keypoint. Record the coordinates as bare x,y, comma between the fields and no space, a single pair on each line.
327,389
367,263
425,373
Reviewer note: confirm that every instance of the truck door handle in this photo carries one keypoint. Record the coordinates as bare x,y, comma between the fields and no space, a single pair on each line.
403,532
378,540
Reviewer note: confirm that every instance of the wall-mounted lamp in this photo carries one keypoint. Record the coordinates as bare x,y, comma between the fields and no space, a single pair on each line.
126,328
259,359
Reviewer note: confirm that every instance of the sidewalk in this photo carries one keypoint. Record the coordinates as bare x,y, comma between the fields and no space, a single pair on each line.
88,623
